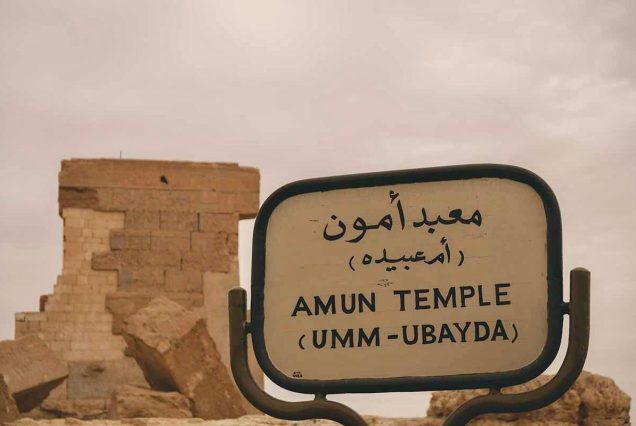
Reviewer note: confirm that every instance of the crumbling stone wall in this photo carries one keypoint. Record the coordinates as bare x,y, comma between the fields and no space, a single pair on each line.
74,321
134,230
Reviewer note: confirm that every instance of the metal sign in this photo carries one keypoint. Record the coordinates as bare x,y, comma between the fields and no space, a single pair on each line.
440,278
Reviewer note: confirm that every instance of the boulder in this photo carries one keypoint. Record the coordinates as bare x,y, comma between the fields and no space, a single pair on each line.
30,369
129,402
602,402
593,400
176,353
8,408
98,379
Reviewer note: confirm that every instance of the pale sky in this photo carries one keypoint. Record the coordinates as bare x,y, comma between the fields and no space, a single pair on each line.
308,89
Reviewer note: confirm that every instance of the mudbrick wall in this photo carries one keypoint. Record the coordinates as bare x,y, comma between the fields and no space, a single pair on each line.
134,230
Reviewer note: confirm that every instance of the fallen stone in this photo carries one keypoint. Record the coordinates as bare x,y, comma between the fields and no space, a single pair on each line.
176,353
8,407
129,402
85,409
30,370
95,380
593,400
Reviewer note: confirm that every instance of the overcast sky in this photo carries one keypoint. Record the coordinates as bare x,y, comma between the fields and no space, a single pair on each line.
307,89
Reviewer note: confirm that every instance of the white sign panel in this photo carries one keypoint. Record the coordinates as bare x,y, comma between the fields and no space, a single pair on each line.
420,279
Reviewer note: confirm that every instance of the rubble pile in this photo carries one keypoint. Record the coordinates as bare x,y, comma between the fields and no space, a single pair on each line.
176,353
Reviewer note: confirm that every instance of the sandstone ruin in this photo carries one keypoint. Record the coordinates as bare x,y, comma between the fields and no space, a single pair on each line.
134,230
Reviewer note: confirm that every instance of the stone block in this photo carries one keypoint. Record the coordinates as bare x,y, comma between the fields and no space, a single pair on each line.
147,279
184,281
210,242
44,299
83,409
30,369
246,204
188,300
215,202
72,233
160,175
171,220
114,260
218,222
90,380
206,261
142,220
174,350
131,402
130,240
170,240
8,407
122,304
233,243
82,197
21,325
168,258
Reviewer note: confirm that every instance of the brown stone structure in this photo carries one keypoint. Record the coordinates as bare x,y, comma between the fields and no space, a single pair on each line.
134,230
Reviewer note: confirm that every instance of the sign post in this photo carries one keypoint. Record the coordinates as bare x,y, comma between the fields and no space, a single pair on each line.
429,279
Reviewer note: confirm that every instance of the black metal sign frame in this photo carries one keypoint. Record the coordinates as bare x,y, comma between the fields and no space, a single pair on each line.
555,308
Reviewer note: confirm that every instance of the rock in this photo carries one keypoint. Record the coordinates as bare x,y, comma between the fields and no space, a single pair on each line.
8,407
30,370
98,379
129,402
85,409
174,350
593,400
602,402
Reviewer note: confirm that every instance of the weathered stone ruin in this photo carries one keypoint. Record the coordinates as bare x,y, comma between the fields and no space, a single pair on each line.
135,230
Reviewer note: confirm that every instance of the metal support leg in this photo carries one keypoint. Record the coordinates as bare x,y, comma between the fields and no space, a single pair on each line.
579,311
319,408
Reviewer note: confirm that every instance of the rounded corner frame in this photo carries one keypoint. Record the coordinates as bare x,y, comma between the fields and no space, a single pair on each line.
413,383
